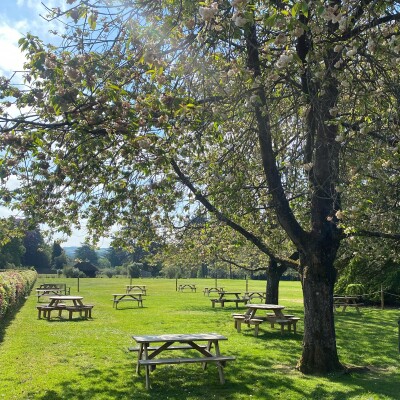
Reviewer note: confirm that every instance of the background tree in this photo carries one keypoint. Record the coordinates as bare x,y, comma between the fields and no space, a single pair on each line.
58,256
11,253
37,252
260,113
134,269
86,252
117,256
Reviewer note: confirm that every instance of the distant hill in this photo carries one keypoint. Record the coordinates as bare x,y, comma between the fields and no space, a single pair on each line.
70,251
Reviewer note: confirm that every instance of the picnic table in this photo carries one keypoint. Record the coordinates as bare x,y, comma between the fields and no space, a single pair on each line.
228,297
142,288
118,297
207,290
57,303
46,289
190,286
277,317
346,301
255,295
203,343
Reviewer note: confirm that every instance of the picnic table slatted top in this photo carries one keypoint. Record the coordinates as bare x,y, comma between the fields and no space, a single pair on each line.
66,298
265,306
178,337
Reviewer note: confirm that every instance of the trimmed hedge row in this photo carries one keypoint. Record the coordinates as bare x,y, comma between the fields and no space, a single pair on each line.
14,287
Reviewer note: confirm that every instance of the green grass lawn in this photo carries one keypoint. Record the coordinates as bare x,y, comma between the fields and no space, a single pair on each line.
89,359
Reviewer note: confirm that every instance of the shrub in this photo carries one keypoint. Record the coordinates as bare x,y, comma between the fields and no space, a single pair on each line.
14,287
71,272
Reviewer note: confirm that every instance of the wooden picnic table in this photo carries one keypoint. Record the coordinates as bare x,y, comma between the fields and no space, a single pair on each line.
276,308
152,346
346,301
190,286
47,289
127,297
142,288
278,317
255,295
228,297
58,303
217,290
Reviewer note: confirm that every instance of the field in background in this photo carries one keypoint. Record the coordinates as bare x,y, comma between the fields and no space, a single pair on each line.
89,360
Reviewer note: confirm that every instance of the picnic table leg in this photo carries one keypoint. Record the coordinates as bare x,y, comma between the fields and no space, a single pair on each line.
219,364
147,367
140,353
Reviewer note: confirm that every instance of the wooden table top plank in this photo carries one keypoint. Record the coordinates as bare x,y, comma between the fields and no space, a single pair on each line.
178,337
128,294
66,298
265,306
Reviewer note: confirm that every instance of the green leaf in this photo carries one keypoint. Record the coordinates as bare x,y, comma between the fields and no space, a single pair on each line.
296,9
93,21
304,8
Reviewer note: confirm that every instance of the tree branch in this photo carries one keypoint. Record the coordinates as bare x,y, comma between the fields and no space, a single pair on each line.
382,235
219,215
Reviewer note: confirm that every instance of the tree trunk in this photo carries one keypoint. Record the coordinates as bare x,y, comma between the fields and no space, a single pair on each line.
319,342
274,274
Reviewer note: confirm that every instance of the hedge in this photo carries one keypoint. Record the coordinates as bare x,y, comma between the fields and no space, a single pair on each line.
14,287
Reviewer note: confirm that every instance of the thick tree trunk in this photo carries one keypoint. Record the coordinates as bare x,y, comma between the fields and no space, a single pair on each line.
274,274
319,342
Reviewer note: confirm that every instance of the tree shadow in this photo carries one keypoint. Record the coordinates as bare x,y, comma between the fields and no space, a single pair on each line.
6,321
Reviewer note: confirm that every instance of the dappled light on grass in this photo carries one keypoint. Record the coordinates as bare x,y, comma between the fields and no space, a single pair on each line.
89,359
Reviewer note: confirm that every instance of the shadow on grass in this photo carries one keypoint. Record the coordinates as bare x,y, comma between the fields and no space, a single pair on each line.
191,382
6,321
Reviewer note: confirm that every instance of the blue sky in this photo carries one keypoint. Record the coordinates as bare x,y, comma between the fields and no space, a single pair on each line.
18,17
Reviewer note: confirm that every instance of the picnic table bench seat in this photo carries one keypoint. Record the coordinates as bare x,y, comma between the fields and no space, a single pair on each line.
289,322
241,318
180,347
348,304
208,290
159,361
271,318
223,301
47,309
117,298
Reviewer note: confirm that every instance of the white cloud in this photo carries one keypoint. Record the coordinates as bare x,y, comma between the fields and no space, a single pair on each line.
5,212
13,59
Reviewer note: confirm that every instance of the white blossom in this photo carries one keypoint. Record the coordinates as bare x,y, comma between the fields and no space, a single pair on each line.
298,31
284,60
280,39
255,99
308,166
238,3
339,214
338,48
371,45
340,139
333,111
239,20
208,13
338,64
351,52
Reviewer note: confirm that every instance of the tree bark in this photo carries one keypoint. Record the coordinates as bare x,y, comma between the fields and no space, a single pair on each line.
319,343
274,275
